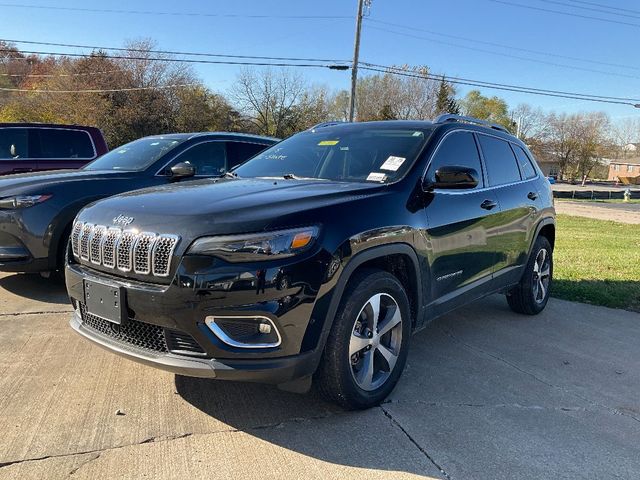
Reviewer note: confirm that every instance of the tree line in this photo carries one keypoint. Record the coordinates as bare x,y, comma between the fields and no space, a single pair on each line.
142,92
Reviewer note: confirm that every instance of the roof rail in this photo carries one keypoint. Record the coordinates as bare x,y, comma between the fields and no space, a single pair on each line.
448,117
327,124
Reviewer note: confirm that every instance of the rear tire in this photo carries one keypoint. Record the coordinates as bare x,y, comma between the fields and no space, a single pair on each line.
368,344
531,295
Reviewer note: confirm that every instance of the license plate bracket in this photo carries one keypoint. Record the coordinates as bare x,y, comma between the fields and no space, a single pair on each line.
105,301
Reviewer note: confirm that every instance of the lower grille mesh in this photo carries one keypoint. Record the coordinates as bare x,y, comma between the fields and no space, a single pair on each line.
145,336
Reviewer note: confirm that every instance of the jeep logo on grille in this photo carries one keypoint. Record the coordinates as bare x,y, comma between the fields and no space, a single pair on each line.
122,220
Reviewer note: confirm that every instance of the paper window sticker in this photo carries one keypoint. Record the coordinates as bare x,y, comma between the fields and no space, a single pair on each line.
376,177
327,143
393,163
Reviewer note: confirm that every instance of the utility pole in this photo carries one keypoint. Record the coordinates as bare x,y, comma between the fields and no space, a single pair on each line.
356,54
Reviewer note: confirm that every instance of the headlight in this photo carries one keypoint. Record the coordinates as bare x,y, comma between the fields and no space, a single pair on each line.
22,201
256,246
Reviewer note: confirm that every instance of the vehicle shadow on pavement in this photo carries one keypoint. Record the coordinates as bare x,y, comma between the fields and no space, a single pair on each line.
35,287
483,384
307,425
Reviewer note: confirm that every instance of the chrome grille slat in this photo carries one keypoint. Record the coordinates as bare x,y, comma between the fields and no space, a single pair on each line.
163,251
144,253
95,244
124,250
75,237
85,235
109,247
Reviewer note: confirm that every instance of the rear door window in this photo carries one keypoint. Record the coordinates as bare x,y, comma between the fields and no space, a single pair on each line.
500,161
459,149
209,159
14,144
62,144
524,162
239,152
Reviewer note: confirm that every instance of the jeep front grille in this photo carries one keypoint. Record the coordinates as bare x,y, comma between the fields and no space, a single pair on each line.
144,253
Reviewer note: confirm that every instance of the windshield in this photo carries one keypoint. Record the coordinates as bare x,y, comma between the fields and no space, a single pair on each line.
352,153
135,156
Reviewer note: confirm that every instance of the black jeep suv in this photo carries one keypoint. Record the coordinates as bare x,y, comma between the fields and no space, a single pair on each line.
318,257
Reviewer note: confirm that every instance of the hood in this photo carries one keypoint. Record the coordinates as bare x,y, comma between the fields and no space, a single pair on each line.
37,182
223,206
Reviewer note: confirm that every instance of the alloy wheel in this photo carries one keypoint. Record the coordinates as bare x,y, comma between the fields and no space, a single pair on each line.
541,275
375,341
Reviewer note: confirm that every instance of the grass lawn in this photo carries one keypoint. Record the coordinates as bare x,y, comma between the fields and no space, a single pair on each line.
597,262
613,200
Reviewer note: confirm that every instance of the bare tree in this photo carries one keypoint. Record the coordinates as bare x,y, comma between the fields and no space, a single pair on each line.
624,134
531,123
269,99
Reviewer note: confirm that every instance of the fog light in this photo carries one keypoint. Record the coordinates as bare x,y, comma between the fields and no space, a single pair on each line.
264,328
245,331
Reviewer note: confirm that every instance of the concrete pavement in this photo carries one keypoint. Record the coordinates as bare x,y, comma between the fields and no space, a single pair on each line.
486,394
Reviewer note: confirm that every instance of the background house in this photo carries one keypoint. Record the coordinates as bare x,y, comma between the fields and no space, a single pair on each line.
625,168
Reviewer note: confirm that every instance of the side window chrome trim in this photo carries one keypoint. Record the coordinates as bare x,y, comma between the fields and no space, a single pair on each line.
474,190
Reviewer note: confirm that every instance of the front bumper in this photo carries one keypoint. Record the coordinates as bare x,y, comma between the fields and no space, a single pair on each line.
274,371
160,311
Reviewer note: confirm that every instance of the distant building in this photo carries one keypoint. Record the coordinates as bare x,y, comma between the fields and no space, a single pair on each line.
625,170
631,147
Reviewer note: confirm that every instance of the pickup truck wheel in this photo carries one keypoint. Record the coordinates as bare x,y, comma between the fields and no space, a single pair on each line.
367,347
531,295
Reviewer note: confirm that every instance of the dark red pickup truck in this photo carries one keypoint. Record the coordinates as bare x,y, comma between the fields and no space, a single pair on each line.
32,147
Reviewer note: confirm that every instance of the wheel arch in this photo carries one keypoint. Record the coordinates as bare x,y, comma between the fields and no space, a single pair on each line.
547,228
384,257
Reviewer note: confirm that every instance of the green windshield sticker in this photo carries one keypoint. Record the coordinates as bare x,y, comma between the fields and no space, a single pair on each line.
327,143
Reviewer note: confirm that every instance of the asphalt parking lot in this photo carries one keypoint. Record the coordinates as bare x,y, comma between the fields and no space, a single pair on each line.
486,394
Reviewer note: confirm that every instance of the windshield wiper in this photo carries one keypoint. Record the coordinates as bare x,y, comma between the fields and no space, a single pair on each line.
293,176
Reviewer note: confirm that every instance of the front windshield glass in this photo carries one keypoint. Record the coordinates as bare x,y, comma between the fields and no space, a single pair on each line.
135,156
350,153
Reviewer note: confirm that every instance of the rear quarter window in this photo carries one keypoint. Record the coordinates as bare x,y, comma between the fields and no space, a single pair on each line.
524,162
500,161
63,144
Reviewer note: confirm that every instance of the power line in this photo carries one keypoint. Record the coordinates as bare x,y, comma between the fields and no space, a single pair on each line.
544,90
560,12
606,6
169,52
188,60
52,75
590,9
495,86
508,55
175,14
106,90
501,45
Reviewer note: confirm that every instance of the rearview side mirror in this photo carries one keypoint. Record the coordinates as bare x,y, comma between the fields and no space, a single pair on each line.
182,170
453,177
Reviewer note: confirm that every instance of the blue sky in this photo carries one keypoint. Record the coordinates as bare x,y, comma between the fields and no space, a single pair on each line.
490,21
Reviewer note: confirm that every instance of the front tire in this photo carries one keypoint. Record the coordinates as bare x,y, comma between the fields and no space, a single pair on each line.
531,295
368,344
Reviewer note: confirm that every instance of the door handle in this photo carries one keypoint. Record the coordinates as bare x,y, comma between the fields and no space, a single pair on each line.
22,170
488,204
532,195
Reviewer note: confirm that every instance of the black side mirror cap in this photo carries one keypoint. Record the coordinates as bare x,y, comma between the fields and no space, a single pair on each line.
182,170
452,177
